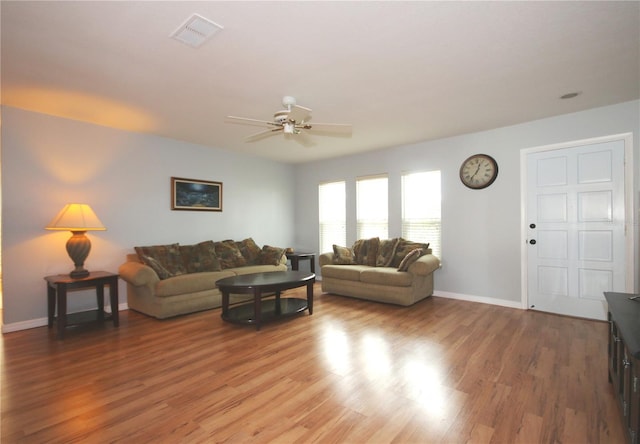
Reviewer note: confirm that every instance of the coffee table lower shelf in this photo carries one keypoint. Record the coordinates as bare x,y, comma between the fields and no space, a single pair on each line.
244,314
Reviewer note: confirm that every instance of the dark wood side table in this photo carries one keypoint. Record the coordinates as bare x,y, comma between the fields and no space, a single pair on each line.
295,259
58,286
624,358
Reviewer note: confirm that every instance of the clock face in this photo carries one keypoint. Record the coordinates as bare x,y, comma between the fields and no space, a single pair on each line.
478,171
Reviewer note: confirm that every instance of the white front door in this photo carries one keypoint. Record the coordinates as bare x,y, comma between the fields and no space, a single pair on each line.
575,228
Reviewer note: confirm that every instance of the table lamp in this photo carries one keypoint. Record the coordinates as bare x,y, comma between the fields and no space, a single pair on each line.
77,218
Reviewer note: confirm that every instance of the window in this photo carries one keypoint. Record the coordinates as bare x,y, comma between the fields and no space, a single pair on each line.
332,215
372,207
421,214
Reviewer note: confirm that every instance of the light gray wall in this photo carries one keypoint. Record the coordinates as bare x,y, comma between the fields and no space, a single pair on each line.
48,162
480,229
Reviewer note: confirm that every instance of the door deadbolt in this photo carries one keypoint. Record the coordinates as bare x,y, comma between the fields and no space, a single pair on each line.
532,226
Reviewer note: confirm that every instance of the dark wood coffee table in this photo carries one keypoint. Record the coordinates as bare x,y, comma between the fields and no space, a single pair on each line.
260,283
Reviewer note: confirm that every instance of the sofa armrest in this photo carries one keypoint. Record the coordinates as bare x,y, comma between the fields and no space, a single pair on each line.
138,274
425,265
325,259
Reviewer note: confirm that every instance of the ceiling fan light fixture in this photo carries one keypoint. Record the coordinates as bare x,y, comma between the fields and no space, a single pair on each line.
289,128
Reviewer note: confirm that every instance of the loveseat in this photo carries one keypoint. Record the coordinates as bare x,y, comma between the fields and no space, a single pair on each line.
170,280
395,271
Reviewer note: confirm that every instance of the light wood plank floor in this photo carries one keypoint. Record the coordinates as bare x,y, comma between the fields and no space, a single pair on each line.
442,371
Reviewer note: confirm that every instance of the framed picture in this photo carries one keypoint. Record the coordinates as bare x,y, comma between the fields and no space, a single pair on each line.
195,195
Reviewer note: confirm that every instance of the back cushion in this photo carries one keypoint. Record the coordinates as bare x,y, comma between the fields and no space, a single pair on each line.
229,254
404,248
270,255
386,252
366,251
249,250
200,257
166,260
343,255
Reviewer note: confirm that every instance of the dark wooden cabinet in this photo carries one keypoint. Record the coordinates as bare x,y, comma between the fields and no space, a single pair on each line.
624,358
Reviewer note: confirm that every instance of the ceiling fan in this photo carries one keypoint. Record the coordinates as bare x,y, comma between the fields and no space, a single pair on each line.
292,120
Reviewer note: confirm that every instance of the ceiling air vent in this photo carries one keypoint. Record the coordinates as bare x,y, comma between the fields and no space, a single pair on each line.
196,30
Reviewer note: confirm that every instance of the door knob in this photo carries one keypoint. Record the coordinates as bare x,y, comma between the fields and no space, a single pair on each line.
532,241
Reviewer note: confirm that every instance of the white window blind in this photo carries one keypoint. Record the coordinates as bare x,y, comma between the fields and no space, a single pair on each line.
421,209
332,215
372,207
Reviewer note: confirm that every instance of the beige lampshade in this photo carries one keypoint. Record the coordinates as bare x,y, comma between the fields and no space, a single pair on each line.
76,217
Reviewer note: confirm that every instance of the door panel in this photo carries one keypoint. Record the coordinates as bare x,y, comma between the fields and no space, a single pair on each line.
575,218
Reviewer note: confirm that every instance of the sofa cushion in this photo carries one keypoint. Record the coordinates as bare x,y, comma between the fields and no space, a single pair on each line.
404,247
366,251
166,260
250,269
200,257
386,252
410,258
249,250
229,254
348,272
343,255
190,283
386,276
270,255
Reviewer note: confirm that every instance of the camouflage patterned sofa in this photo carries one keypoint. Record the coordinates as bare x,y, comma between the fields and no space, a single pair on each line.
393,271
170,280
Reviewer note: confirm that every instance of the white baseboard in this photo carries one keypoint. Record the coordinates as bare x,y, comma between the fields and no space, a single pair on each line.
41,322
481,299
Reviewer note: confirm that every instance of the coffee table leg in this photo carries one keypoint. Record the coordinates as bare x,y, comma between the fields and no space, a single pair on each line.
225,303
257,306
310,297
278,307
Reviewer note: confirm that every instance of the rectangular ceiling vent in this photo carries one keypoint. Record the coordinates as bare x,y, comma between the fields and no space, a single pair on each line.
196,30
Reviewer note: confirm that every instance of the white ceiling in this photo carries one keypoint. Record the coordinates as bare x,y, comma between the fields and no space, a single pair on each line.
400,72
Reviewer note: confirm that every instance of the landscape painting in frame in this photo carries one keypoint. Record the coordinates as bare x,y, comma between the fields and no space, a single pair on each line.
196,195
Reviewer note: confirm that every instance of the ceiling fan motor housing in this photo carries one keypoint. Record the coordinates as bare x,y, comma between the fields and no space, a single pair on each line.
281,116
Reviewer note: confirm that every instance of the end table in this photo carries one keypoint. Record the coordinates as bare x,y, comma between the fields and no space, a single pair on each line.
295,259
59,285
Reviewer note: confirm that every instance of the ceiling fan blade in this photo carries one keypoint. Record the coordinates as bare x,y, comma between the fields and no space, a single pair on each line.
261,134
248,121
299,114
337,129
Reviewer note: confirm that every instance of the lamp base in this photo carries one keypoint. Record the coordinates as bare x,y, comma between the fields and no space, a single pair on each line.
78,247
79,274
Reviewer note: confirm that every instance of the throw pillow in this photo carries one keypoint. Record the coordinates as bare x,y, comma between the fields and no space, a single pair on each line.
386,252
270,255
404,247
343,255
200,257
229,254
366,251
249,250
410,258
157,267
167,256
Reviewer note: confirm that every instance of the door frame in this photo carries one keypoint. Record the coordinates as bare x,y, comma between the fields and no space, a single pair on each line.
629,214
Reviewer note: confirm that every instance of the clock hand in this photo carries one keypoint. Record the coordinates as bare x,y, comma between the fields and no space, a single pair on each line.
474,174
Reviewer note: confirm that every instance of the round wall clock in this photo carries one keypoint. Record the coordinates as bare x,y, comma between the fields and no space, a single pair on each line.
479,171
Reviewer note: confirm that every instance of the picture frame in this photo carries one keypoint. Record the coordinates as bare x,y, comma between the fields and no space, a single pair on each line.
195,195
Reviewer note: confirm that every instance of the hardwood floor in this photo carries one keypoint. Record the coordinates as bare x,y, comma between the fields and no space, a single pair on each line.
442,371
